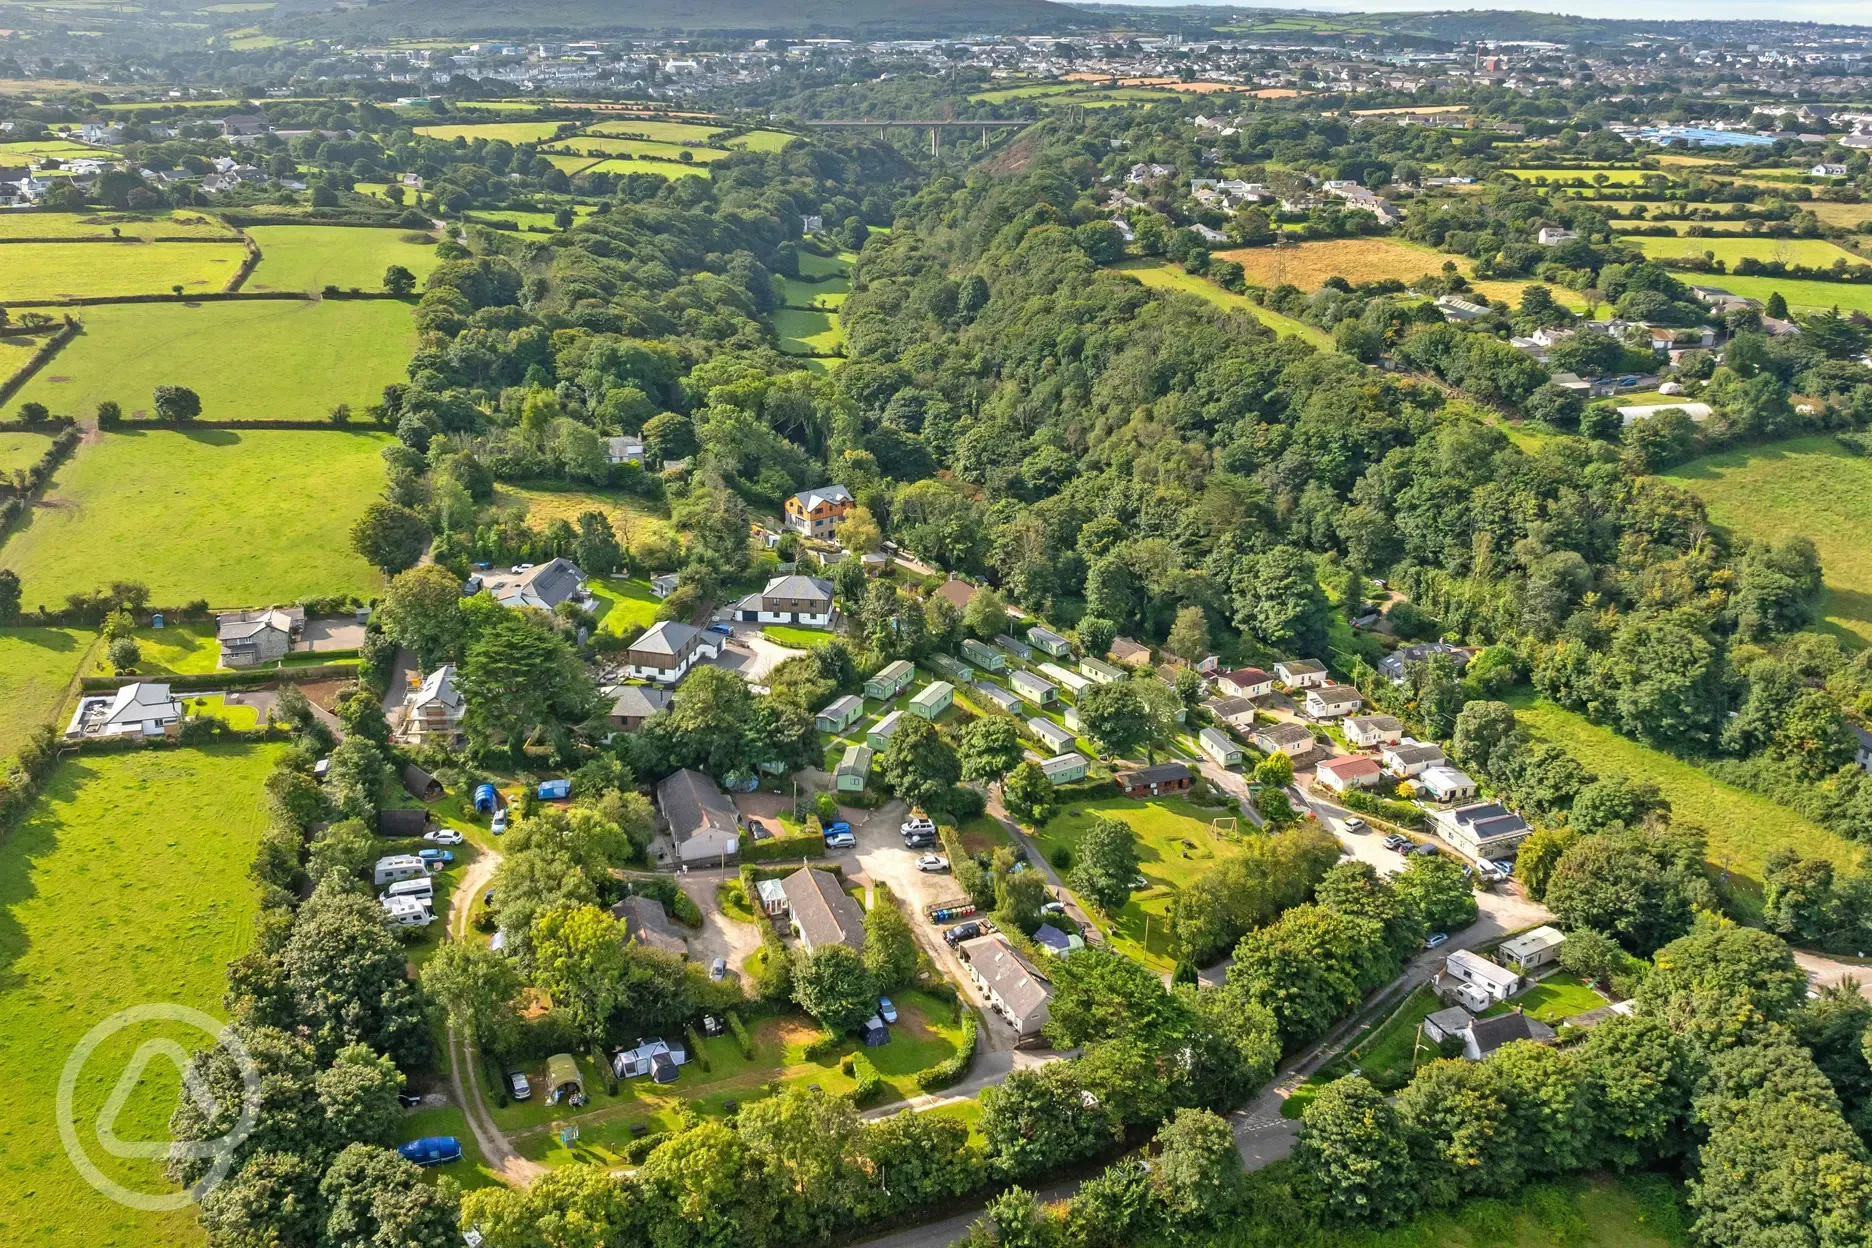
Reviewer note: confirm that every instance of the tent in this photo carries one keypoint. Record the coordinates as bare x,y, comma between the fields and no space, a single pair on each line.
555,790
875,1032
563,1080
484,799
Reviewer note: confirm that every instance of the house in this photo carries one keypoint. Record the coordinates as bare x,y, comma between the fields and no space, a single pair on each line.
702,822
1055,943
1330,701
1065,768
1013,987
955,593
666,651
803,601
1245,682
997,697
1481,830
1130,653
890,680
933,699
1478,982
249,638
1484,1035
240,125
985,657
1863,756
1066,679
1098,671
1409,758
822,913
1445,784
1366,731
841,714
1049,642
1154,781
657,1058
1019,649
1035,690
645,923
955,669
663,586
1235,712
1351,771
420,785
1051,734
1443,1024
1219,747
811,223
142,709
1552,236
1533,949
1818,171
624,449
881,732
404,822
634,704
1395,664
817,513
1697,412
1293,740
431,712
854,769
543,585
1301,673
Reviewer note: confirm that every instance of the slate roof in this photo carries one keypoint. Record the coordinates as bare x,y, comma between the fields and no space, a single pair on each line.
645,923
1491,1033
823,912
690,802
639,702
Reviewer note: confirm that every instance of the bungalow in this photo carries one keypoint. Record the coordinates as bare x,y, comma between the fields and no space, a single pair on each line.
634,704
1481,830
1019,649
666,651
1065,678
955,669
1293,740
955,592
249,638
997,697
1235,712
1395,664
1478,982
645,923
1245,682
1049,642
1552,235
1099,672
1130,653
822,912
1013,987
1825,170
1219,747
624,450
1409,758
854,769
933,699
1330,701
702,822
663,586
841,714
985,657
1351,771
1535,948
431,712
1484,1035
817,513
1035,690
1446,784
1154,781
543,585
1051,734
803,601
890,680
1065,768
1366,731
880,733
1301,673
142,709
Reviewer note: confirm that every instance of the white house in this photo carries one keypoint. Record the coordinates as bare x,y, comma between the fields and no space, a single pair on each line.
1552,235
1301,673
1350,771
1245,682
803,601
1235,712
666,651
1366,731
1014,988
1407,758
1446,784
1481,830
1535,948
1330,701
624,449
143,709
1477,982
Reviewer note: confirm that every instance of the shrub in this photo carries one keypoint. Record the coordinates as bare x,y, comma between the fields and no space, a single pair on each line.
638,1150
870,1082
946,1072
739,1030
1060,857
822,1047
695,1046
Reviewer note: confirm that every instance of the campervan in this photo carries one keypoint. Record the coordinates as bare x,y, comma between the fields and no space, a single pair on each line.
422,890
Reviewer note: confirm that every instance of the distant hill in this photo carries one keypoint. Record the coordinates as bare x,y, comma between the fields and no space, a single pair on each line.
868,18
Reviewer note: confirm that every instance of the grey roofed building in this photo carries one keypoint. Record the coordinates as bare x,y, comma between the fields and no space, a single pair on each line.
1237,712
667,638
544,585
1056,737
1289,739
1393,664
822,913
1007,701
1485,1035
634,704
1013,986
144,708
645,923
702,821
251,637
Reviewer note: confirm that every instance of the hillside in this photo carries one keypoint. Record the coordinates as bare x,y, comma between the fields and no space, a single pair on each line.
794,17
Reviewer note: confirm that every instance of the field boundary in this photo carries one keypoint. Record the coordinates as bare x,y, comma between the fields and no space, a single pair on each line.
40,358
210,296
247,267
133,240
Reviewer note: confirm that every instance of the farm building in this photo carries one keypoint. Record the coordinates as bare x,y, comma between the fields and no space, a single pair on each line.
881,732
1154,781
933,699
841,714
954,668
1065,768
1098,671
1245,682
890,680
1047,641
1353,771
997,697
1130,653
1329,701
854,769
1019,649
1218,747
702,822
1051,734
1065,678
1301,673
1366,731
1035,690
985,657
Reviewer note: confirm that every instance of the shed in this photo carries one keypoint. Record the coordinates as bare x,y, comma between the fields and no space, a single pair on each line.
409,822
981,656
933,699
1035,690
841,714
881,732
420,784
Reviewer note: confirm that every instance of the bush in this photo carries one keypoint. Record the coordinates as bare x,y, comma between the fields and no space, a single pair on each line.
948,1071
1060,857
637,1150
870,1082
822,1047
739,1030
695,1047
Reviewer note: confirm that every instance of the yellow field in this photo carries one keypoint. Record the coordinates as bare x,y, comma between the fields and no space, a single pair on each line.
1584,177
512,131
1849,215
1813,252
1357,260
77,270
762,141
668,168
1162,275
599,146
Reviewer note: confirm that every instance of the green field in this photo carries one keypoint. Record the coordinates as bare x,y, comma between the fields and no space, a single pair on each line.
14,354
1802,296
512,131
1807,251
829,293
125,885
618,166
663,131
312,257
237,517
47,149
92,270
36,667
762,141
635,525
529,220
20,450
591,145
1811,487
1742,827
186,221
623,606
315,354
808,333
571,164
1584,177
1162,275
813,265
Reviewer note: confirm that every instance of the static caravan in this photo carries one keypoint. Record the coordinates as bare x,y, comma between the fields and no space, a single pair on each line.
997,697
882,731
841,714
1019,649
890,680
1066,679
1065,768
1099,671
1218,747
933,699
984,657
854,768
396,867
1051,734
955,669
1035,690
1048,641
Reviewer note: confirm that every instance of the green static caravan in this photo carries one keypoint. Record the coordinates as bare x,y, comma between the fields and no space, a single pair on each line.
1065,768
956,670
1045,639
1100,671
890,680
933,699
854,769
1034,689
841,714
881,732
985,657
1218,747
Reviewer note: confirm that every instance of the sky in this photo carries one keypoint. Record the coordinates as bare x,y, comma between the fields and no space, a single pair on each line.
1855,12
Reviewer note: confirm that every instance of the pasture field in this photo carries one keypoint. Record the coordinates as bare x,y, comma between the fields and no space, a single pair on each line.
311,257
36,667
635,523
1807,251
80,270
1743,828
1027,91
805,294
618,166
1802,296
1810,487
655,149
1357,260
125,885
1585,177
14,354
569,165
529,220
1851,216
43,149
515,132
238,517
815,265
99,225
20,450
125,352
807,333
662,131
762,141
1163,275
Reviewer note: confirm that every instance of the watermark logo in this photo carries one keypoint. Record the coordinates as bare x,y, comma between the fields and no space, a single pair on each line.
220,1149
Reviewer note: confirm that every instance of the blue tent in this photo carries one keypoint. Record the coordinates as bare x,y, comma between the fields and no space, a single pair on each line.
555,790
432,1150
484,799
875,1032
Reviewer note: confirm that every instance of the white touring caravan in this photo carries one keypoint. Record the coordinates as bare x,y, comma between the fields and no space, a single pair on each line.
408,911
396,867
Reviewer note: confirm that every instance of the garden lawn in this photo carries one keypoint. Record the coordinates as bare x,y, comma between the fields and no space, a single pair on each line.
623,606
530,220
796,638
36,668
91,270
1814,252
512,131
312,257
1743,828
126,884
1553,1000
807,333
239,517
18,450
1162,275
1163,825
249,360
1811,487
186,221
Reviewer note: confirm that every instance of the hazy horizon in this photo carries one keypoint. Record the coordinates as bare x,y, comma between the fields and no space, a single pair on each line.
1837,12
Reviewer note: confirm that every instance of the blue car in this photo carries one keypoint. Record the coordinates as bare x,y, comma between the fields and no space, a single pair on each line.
833,829
432,1150
435,855
725,630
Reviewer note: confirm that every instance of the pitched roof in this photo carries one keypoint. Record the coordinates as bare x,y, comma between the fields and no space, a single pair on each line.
438,687
550,583
237,625
143,701
1352,766
956,592
645,923
1245,676
1280,736
691,803
639,702
1375,723
1229,708
832,494
823,912
1125,650
799,587
1491,1033
1160,774
665,637
1009,976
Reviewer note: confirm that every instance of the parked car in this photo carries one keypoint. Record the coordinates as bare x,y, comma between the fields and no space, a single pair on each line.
500,822
1355,824
408,1100
886,1010
1397,843
1435,940
432,1150
435,855
1423,851
724,629
932,862
833,829
1053,907
841,840
919,824
518,1086
1504,866
443,836
919,842
961,932
718,969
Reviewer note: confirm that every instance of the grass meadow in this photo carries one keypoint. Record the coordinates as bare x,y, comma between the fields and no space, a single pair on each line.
807,333
828,293
316,354
1584,177
14,354
239,517
36,668
762,140
125,885
1357,260
1802,296
618,166
511,131
662,131
183,222
1162,275
1807,251
569,165
591,145
635,523
1811,487
19,449
92,270
312,257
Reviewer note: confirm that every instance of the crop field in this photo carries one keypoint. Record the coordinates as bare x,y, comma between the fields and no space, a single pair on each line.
311,257
125,352
99,225
807,333
1743,828
239,517
1584,177
618,166
654,149
1810,487
1807,251
125,885
663,131
36,666
1802,296
512,131
78,270
1163,275
1357,260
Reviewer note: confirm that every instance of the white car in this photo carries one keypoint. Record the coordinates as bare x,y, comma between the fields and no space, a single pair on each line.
443,836
932,862
919,827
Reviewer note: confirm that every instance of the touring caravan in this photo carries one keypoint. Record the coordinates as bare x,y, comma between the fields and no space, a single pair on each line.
394,867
